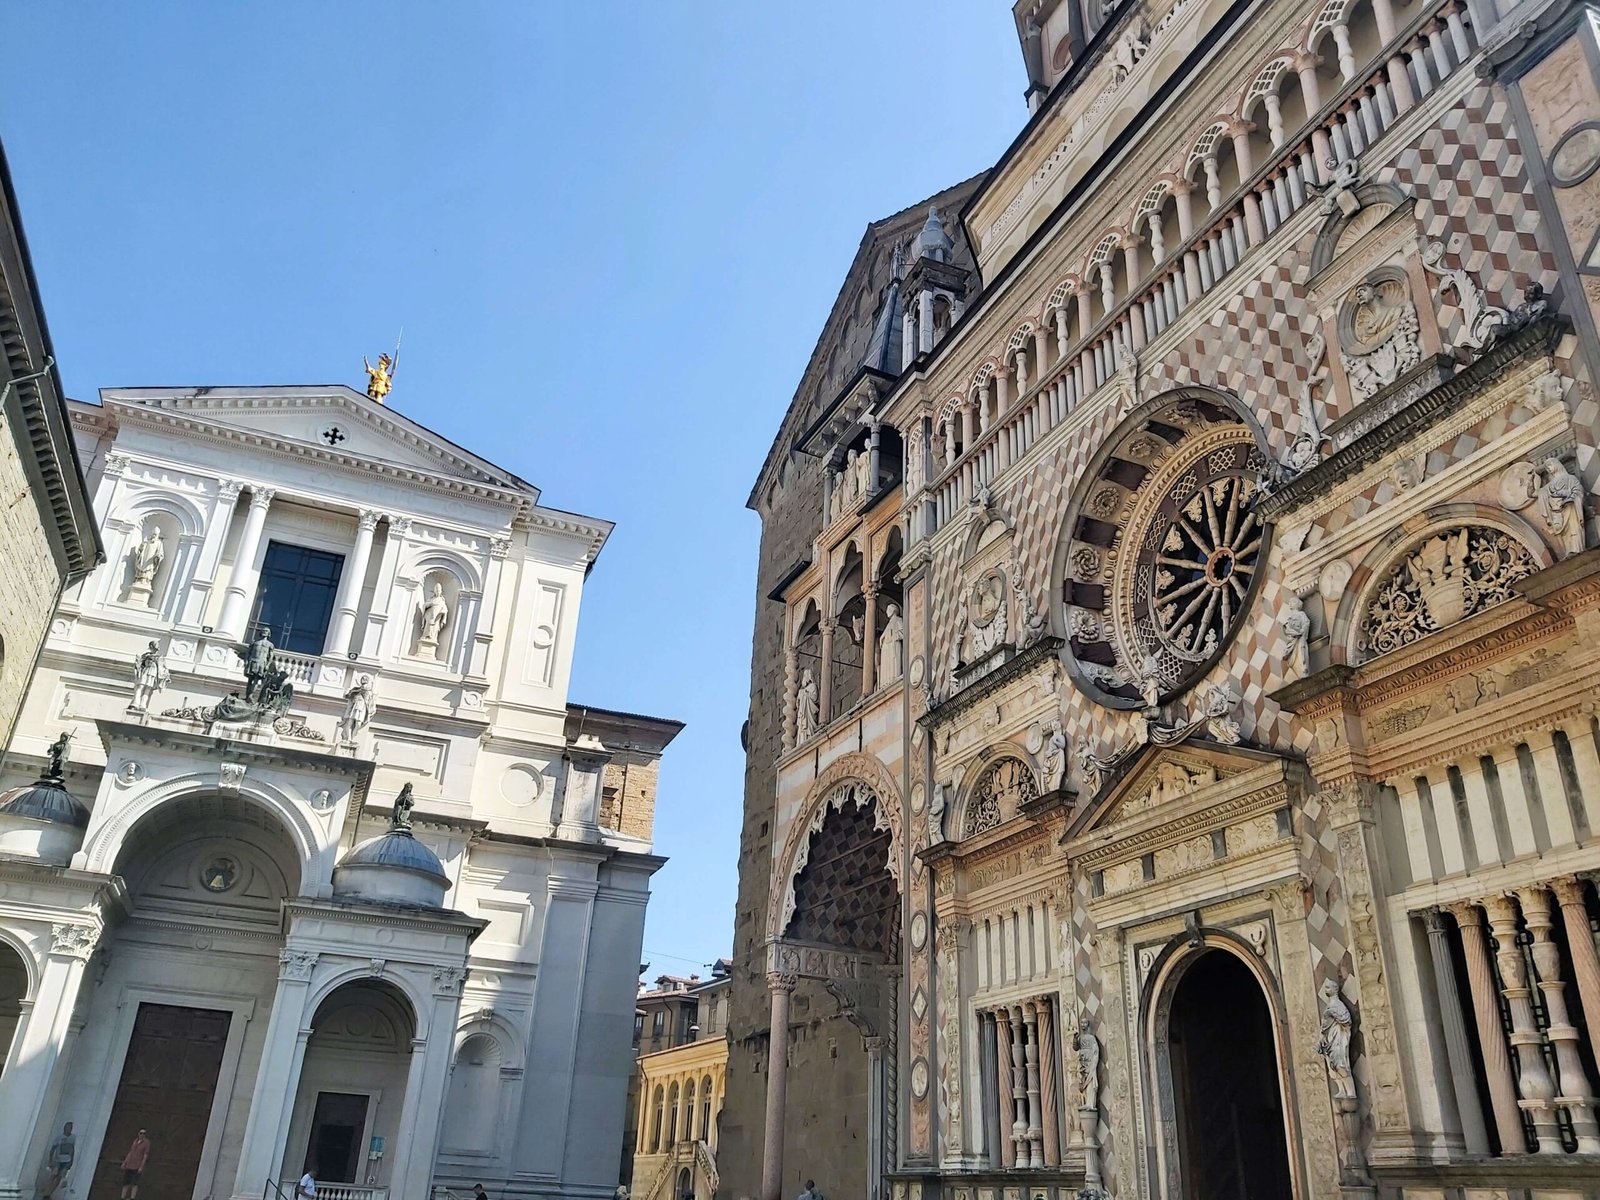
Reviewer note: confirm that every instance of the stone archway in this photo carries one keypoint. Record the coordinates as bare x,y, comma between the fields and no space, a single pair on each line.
1220,1081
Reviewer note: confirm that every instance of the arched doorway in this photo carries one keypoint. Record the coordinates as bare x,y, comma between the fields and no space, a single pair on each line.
206,877
353,1085
13,991
1226,1090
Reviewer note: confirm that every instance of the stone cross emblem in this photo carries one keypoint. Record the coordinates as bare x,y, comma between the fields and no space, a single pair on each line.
333,435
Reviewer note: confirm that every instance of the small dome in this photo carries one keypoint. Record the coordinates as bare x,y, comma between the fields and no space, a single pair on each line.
47,798
394,868
398,849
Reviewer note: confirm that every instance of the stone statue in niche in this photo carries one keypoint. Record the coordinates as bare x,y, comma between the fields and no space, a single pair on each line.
435,616
1053,758
359,708
150,675
1088,1048
1561,504
805,707
1379,332
1296,626
1334,1045
146,559
890,653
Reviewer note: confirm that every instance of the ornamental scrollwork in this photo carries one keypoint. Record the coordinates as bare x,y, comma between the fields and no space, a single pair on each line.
1446,579
1003,789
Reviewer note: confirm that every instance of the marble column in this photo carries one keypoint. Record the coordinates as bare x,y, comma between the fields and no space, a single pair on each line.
351,582
1463,1081
1019,1089
36,1049
791,682
875,1107
1035,1129
989,1082
1048,1109
869,639
1569,892
1005,1106
1491,1038
374,639
1534,1085
283,1053
236,600
825,682
781,988
1573,1090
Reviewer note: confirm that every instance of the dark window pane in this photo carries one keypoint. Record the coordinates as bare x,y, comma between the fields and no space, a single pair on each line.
296,595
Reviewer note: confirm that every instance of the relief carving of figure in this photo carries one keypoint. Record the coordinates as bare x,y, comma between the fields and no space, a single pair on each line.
146,559
1296,626
986,616
435,616
1561,504
150,675
1306,450
890,641
1380,334
358,710
1053,759
1088,1048
1334,1045
805,707
1150,681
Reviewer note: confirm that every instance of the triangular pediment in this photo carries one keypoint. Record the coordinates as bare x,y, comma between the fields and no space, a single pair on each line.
334,422
1163,781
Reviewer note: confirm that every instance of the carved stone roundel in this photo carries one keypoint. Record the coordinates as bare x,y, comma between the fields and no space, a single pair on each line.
1182,558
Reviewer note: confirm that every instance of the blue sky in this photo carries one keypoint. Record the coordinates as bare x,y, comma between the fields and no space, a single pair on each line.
610,231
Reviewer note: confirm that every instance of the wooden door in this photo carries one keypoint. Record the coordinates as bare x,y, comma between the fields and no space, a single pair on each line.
169,1080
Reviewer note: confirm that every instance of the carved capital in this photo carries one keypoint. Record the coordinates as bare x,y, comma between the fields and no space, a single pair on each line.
296,965
260,497
1568,889
74,941
399,526
228,490
368,520
782,981
499,547
115,464
447,980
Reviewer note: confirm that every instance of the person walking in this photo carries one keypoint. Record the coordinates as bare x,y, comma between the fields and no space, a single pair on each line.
58,1162
133,1163
306,1189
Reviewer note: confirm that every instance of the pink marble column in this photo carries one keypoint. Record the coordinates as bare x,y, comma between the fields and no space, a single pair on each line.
1585,961
1035,1132
1006,1107
1491,1038
780,987
1047,1083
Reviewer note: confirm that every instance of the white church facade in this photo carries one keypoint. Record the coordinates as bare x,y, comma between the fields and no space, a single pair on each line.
306,860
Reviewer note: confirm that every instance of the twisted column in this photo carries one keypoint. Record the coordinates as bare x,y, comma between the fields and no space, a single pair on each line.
1047,1084
1574,1092
1035,1135
1580,939
1537,1089
1002,1091
1491,1038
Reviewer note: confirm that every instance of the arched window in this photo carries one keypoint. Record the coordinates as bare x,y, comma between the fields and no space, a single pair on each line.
672,1116
705,1110
655,1122
688,1112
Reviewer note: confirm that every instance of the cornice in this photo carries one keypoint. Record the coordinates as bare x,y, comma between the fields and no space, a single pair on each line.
1000,677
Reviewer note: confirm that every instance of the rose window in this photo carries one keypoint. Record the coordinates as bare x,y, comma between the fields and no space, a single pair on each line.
1164,548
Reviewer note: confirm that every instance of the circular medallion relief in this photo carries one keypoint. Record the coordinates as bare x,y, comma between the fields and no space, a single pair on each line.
919,930
1576,155
521,785
1155,589
919,796
919,1078
220,874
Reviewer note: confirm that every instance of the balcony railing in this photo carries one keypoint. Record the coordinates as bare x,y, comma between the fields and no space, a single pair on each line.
339,1191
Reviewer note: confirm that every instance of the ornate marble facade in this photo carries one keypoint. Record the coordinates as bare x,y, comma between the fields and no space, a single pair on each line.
204,925
1229,831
